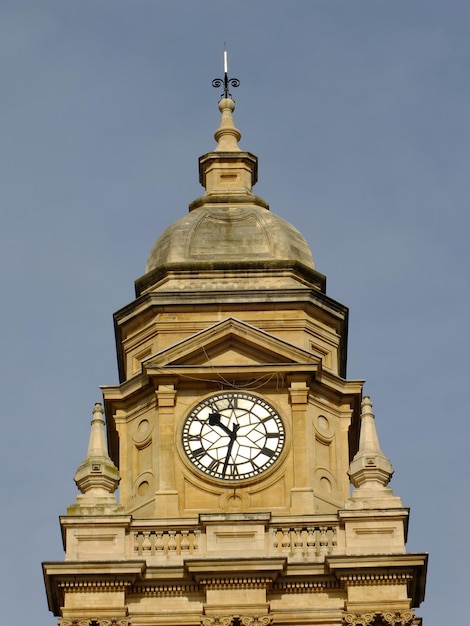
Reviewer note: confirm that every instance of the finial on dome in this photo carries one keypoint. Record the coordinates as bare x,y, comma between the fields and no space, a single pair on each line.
228,174
225,81
227,135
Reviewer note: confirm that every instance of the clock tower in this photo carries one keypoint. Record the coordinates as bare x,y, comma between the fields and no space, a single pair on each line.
252,486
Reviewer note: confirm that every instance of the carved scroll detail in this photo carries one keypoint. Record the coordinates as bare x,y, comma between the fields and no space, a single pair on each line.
398,618
217,621
238,620
257,620
388,618
359,619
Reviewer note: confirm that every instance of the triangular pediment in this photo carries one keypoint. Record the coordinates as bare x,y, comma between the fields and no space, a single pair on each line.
231,344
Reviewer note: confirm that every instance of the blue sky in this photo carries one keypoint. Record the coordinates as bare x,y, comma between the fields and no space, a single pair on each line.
359,113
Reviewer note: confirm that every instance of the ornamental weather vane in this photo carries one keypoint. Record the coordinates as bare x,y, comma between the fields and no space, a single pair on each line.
225,81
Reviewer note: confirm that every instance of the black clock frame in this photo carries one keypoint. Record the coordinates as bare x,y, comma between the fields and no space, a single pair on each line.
233,436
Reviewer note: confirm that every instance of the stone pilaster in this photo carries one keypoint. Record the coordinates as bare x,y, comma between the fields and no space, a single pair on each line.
302,496
166,498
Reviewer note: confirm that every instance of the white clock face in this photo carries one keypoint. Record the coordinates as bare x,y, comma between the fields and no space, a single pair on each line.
233,436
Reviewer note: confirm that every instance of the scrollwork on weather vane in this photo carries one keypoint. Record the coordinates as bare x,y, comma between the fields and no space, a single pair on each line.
225,81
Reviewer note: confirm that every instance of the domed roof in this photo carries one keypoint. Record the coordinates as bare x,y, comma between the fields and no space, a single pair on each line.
237,234
229,224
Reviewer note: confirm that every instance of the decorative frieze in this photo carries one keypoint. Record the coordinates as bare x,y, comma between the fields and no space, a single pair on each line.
236,582
314,585
164,591
93,585
378,578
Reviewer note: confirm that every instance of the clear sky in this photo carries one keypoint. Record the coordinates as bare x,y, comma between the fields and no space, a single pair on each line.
359,112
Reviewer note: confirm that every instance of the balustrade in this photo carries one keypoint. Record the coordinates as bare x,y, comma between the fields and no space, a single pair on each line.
313,541
165,542
305,541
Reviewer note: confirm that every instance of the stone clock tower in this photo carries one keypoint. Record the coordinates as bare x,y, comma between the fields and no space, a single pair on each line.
252,486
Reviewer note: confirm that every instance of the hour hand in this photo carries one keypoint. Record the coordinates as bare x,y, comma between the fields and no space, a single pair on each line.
214,420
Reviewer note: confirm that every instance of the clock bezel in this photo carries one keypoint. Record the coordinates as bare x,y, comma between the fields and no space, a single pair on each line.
264,470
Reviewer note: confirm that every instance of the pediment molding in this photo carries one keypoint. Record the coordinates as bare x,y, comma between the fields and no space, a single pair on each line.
233,348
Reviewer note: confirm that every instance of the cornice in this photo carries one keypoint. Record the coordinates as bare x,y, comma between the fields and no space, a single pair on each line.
310,276
243,297
75,576
95,568
343,563
361,570
235,571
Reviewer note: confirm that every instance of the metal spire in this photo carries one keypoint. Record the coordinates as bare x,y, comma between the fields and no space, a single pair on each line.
225,81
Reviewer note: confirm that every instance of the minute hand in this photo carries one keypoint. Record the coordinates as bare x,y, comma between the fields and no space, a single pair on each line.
233,436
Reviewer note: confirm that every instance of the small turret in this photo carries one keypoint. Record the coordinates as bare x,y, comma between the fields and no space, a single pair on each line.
97,477
228,173
370,470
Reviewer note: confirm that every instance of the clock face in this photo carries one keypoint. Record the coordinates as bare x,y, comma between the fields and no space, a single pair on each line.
233,436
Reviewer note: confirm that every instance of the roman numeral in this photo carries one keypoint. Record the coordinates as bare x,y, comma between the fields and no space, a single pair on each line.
193,438
212,467
199,453
232,402
268,452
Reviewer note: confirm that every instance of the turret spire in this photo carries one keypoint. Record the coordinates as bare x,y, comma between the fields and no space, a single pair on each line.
97,477
370,471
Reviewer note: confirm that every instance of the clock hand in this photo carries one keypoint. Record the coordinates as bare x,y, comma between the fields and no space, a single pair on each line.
233,436
214,420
